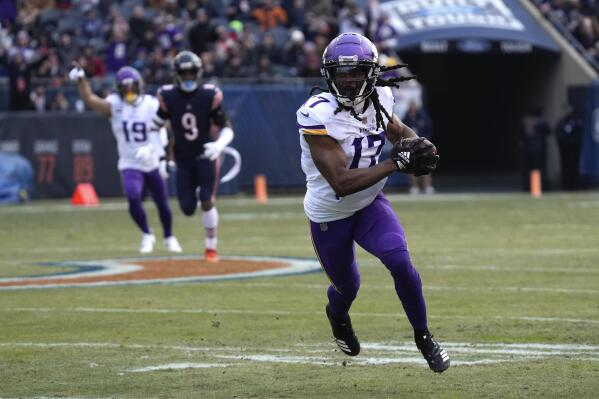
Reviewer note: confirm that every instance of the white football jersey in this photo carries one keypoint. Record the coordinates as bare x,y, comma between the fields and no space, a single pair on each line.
361,142
131,128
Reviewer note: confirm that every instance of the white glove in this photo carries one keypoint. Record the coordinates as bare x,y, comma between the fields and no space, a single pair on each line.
146,153
163,169
213,149
76,73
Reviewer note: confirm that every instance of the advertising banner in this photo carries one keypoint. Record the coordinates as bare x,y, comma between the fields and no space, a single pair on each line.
471,26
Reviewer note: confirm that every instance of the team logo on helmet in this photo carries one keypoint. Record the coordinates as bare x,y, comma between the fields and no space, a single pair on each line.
350,66
187,71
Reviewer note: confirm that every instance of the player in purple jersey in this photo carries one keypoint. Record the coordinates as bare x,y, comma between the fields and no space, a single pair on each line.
201,130
342,132
131,113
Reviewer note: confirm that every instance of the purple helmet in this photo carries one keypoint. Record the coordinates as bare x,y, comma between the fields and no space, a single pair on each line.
129,83
350,66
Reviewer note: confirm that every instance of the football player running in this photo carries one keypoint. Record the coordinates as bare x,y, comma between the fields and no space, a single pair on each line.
342,132
131,113
201,130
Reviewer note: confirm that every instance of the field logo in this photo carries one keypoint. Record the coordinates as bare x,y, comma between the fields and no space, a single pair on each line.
160,270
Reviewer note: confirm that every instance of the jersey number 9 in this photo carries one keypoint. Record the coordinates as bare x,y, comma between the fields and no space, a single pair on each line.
189,123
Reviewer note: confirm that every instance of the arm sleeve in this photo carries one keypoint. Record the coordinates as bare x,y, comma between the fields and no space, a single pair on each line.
219,117
162,114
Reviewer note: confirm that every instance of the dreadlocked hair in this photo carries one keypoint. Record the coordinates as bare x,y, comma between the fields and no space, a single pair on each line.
378,108
391,82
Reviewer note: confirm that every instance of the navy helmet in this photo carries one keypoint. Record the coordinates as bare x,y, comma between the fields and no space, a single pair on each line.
187,71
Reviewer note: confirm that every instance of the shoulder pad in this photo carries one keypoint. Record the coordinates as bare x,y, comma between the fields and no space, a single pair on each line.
313,115
164,88
320,107
210,86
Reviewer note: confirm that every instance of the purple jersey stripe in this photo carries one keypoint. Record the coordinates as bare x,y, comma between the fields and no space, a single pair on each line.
311,127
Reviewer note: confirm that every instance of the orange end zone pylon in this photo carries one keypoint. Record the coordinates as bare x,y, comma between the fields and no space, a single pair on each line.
85,195
535,183
260,189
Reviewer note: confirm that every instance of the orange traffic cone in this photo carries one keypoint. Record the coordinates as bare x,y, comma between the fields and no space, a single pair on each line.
535,183
260,189
85,194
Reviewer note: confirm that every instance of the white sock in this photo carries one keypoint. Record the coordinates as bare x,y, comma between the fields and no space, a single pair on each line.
210,219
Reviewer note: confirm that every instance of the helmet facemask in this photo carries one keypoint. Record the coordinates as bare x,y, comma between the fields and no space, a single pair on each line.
187,79
187,71
129,84
129,90
351,83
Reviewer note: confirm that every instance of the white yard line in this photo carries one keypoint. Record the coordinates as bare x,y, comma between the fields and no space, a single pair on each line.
374,353
178,366
432,287
520,270
281,313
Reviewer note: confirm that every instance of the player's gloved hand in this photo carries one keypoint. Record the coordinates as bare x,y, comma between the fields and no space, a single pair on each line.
415,155
146,153
213,149
163,168
76,73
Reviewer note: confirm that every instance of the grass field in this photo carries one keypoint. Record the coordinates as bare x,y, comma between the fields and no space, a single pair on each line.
512,286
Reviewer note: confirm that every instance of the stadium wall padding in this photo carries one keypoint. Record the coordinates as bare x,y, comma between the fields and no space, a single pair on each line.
64,149
265,131
69,148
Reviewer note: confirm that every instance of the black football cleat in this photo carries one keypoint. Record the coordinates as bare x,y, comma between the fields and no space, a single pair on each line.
436,357
344,334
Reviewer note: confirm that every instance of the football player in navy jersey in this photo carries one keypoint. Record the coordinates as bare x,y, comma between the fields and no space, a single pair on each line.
201,131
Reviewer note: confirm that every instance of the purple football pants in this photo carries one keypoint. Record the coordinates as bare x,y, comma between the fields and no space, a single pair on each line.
377,229
134,182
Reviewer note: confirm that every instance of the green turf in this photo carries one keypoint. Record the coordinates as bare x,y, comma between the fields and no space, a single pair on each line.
499,272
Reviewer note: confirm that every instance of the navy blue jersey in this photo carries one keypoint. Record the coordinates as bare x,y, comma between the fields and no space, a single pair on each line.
190,118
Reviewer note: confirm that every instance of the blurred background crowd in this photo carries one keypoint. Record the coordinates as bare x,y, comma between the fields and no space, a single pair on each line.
250,39
578,19
258,40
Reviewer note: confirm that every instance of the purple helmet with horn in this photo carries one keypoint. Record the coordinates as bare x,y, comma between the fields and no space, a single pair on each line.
129,83
350,66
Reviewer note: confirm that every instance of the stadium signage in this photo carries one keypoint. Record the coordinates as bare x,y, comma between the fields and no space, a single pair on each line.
434,46
421,15
516,47
12,146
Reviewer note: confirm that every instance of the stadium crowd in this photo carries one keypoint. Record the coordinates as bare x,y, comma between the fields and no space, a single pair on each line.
257,39
580,18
